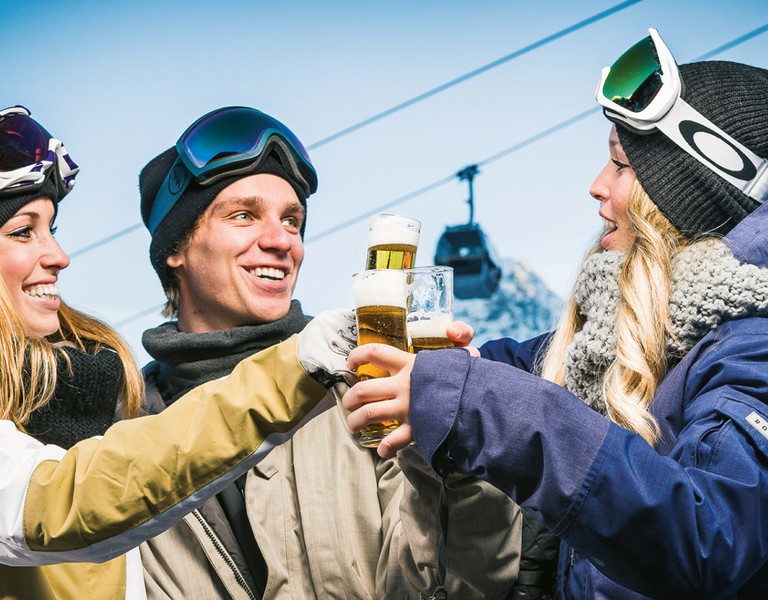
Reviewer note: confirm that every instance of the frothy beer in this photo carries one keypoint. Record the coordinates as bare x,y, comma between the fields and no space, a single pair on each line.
428,332
380,301
392,242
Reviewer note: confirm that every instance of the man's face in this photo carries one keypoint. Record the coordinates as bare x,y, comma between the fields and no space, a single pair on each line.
242,261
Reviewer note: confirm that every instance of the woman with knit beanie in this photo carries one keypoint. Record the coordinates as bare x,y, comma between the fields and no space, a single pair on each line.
638,430
72,488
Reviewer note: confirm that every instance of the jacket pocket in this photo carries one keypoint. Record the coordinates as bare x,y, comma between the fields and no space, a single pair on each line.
267,467
744,416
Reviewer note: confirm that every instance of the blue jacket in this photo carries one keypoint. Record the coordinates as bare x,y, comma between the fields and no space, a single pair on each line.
686,519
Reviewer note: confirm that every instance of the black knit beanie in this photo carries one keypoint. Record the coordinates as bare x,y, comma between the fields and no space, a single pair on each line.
696,200
9,204
191,205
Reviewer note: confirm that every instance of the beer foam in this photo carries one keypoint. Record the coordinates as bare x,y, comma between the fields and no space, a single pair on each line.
427,325
383,287
393,229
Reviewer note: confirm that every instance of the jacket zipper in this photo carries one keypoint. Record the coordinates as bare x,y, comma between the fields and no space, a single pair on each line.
224,554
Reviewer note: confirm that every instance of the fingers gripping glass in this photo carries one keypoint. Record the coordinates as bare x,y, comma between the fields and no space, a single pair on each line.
224,142
642,92
28,154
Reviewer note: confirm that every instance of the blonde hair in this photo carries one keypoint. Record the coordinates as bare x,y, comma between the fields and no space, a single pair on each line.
642,322
28,365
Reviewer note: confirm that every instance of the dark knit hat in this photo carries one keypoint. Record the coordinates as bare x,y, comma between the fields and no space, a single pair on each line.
695,199
191,205
10,203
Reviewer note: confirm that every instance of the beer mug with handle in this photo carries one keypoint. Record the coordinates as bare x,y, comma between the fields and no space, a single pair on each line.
429,307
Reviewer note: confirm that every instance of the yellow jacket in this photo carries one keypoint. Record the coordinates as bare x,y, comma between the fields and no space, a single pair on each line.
106,495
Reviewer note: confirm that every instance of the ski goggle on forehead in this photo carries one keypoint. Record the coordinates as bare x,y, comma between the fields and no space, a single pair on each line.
642,92
225,142
28,155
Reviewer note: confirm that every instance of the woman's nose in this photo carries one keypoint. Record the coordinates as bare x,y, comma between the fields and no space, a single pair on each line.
54,257
599,188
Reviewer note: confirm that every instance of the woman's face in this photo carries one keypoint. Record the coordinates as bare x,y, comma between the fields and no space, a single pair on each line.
612,188
30,261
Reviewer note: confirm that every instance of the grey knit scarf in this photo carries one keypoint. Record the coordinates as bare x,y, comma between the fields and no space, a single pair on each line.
185,360
709,287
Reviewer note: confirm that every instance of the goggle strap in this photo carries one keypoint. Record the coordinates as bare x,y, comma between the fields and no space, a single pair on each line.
717,150
170,191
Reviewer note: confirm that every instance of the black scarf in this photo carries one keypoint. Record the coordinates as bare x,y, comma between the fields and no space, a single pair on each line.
84,400
185,360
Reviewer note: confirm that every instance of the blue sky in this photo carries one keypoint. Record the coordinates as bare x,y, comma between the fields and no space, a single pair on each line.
118,83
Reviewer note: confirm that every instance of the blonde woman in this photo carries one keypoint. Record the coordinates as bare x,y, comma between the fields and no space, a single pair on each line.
638,431
64,375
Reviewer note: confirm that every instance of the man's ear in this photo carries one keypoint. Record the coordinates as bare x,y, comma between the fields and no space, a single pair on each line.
174,261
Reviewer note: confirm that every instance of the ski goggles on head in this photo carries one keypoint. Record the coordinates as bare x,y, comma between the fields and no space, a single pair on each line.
226,142
28,155
642,92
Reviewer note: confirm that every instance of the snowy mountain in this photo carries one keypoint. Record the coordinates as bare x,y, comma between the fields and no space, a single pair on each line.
521,308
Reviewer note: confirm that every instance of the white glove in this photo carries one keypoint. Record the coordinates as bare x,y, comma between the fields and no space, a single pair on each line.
324,345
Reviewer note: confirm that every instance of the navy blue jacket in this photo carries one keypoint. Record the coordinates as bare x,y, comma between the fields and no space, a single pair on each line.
686,519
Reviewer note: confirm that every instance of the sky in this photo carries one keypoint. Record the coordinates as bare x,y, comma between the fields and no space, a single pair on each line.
508,85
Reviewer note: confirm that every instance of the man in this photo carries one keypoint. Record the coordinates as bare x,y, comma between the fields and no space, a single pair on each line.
320,517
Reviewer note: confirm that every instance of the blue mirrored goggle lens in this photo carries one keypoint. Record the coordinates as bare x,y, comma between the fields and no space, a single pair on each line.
23,142
634,79
232,132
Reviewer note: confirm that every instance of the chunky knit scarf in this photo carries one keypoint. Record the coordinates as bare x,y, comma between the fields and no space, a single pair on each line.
87,389
709,287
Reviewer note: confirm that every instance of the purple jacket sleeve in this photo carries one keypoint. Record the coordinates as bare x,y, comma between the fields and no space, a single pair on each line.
513,429
518,354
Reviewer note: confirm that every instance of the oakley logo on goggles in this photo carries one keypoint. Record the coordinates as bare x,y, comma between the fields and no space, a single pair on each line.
225,142
642,91
28,154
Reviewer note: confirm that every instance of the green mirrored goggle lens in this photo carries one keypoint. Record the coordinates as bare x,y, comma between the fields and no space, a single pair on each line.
635,77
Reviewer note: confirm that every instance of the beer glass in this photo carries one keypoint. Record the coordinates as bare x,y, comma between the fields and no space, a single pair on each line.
429,307
380,297
392,242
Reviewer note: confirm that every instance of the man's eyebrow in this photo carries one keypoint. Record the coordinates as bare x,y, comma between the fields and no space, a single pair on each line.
247,201
295,207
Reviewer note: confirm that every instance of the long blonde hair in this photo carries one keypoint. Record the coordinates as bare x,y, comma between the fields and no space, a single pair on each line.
642,322
28,365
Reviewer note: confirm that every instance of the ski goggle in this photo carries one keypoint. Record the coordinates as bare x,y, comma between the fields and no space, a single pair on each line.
225,142
642,92
28,155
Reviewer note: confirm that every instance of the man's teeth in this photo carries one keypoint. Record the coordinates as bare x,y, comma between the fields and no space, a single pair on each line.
43,290
269,273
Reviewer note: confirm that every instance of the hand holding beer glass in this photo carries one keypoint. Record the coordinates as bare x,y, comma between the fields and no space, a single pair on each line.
429,307
380,297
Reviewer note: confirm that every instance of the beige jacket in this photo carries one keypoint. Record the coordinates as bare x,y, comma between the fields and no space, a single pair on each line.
335,521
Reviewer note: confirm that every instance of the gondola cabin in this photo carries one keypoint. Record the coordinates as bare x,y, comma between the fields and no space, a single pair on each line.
466,249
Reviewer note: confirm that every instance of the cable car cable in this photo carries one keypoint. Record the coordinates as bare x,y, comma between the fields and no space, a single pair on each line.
511,149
